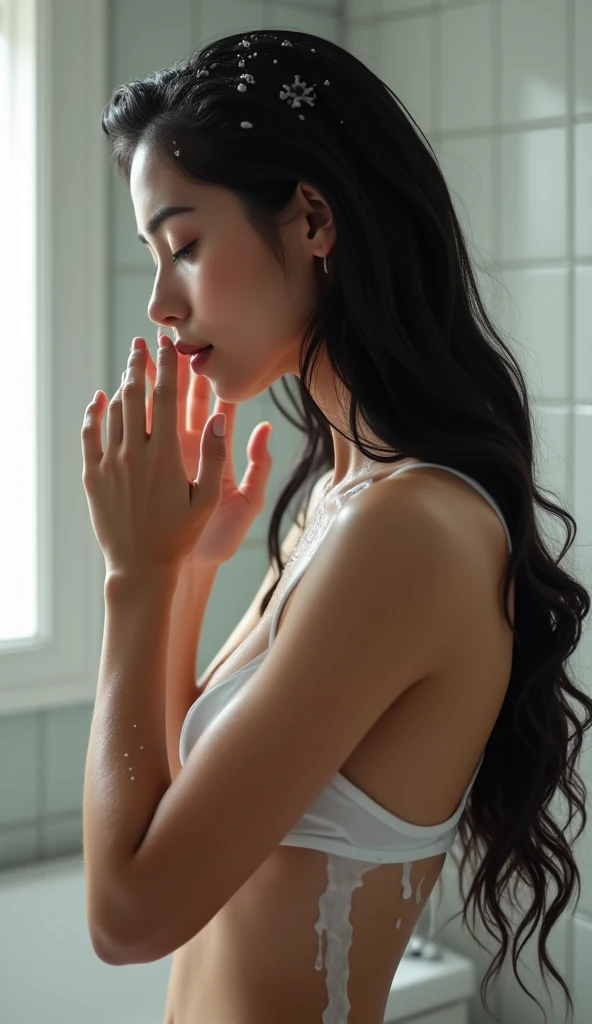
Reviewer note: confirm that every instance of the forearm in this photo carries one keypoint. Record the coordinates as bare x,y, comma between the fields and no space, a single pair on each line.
189,605
127,771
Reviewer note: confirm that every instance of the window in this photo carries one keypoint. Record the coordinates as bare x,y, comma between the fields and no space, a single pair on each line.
18,508
54,174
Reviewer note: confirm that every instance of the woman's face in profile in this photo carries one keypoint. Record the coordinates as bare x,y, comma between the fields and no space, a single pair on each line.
224,286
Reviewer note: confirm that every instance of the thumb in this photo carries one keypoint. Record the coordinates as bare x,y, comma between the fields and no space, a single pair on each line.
212,458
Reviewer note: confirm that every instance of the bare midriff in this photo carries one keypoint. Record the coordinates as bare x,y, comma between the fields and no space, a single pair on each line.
254,963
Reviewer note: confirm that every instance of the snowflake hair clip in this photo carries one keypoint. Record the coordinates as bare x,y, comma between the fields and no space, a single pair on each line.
296,99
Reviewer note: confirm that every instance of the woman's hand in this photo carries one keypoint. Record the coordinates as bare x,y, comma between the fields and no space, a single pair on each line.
239,505
147,515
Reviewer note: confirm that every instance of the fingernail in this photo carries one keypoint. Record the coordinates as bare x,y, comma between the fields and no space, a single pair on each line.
219,425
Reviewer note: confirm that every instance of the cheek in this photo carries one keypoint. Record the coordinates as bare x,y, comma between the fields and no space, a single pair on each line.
234,285
223,279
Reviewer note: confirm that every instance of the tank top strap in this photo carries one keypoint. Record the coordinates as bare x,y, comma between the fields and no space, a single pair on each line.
298,573
469,479
339,501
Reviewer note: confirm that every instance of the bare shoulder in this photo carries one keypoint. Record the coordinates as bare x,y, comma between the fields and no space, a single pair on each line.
442,533
434,508
465,521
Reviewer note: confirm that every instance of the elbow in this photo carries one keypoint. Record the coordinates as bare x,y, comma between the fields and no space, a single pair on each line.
104,948
117,954
106,928
118,950
126,927
100,927
113,923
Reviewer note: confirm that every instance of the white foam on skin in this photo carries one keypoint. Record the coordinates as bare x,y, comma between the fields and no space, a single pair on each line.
344,875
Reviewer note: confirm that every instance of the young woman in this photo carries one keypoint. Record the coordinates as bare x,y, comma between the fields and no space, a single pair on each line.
402,680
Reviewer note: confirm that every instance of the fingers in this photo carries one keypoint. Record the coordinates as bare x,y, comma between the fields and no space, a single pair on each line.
151,375
198,410
114,429
123,423
92,434
183,371
255,478
164,412
182,385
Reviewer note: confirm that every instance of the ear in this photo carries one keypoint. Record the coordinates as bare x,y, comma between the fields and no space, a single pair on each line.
319,218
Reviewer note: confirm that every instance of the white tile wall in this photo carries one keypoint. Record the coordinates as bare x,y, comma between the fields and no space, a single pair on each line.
333,6
497,86
320,22
466,87
355,11
405,58
583,546
218,19
467,165
404,6
363,40
539,322
582,994
582,66
583,333
533,56
148,34
534,194
582,190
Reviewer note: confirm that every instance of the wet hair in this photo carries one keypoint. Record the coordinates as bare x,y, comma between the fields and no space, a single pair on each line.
406,331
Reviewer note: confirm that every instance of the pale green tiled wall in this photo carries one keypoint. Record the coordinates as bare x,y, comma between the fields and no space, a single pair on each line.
43,754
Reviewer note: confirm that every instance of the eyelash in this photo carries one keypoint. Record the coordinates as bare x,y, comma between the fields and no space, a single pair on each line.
182,254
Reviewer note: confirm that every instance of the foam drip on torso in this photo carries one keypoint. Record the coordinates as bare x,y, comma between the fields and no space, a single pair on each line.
344,875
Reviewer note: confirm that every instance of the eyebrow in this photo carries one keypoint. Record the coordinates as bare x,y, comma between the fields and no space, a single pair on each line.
162,215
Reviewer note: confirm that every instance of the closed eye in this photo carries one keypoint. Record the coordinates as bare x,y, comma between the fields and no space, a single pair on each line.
182,254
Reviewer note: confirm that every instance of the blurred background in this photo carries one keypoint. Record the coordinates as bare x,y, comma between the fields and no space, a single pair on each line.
503,91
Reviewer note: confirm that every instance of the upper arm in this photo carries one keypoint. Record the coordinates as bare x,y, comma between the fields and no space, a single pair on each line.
390,574
251,618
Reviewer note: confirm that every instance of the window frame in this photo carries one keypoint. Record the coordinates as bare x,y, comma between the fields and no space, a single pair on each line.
68,41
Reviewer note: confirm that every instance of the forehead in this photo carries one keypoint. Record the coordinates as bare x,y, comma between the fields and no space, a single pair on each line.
156,185
157,192
150,175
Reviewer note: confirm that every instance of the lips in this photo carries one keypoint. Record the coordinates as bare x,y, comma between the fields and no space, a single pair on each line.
189,350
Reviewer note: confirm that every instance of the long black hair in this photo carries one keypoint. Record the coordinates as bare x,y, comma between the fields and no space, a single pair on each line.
405,330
